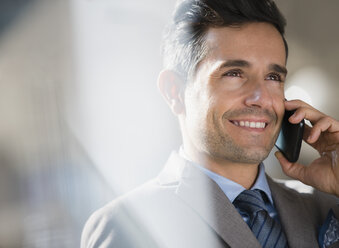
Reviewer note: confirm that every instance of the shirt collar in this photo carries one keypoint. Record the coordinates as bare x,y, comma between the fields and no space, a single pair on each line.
229,187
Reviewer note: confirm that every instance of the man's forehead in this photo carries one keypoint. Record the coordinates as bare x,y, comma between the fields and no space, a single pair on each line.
243,31
259,40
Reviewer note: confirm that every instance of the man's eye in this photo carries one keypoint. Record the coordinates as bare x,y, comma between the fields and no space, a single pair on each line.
274,77
234,73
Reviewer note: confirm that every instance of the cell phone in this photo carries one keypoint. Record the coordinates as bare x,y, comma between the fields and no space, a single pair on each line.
290,138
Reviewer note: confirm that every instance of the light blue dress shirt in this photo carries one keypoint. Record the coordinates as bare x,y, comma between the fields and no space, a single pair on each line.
233,189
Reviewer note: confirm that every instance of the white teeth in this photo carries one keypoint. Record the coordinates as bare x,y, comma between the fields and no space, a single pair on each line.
251,124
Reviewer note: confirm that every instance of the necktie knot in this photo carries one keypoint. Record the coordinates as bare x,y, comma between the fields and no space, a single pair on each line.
268,232
250,202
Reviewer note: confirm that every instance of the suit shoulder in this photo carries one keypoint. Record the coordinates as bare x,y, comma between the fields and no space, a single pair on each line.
295,188
100,227
305,191
114,223
316,201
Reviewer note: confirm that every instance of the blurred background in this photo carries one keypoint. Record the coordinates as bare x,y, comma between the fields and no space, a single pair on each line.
81,117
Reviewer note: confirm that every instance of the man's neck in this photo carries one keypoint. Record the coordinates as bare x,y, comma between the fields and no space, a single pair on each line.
241,173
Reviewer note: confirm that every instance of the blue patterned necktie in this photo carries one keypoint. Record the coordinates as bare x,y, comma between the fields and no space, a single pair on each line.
268,231
329,232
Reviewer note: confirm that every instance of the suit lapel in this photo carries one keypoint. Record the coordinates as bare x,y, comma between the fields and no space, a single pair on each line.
205,197
294,216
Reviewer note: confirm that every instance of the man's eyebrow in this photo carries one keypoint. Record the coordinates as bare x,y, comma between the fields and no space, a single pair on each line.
278,68
234,63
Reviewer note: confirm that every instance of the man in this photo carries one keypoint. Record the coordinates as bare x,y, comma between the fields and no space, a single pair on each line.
224,80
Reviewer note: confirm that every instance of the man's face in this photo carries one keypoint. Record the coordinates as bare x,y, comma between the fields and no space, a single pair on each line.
235,102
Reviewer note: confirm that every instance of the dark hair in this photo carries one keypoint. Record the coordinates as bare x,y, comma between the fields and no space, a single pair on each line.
184,40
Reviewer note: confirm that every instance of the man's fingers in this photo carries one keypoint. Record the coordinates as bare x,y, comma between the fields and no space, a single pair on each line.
312,134
324,124
304,111
307,134
320,121
294,104
310,114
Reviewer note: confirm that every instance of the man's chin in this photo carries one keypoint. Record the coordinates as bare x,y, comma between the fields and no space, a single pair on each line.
252,155
249,150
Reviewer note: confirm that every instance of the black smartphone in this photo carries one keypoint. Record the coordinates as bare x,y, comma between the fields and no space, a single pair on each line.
290,138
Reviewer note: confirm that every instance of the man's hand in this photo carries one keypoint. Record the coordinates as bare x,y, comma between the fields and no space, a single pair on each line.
322,173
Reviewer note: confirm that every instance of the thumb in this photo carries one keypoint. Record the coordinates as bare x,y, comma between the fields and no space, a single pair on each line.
294,170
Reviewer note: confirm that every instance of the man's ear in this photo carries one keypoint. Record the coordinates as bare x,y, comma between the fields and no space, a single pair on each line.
172,86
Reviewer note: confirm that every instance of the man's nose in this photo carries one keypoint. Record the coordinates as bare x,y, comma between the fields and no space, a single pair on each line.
259,96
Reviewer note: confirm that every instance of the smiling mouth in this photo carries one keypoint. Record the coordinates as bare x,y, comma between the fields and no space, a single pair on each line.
250,124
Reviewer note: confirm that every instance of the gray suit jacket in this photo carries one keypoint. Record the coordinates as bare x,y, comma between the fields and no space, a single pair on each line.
183,208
